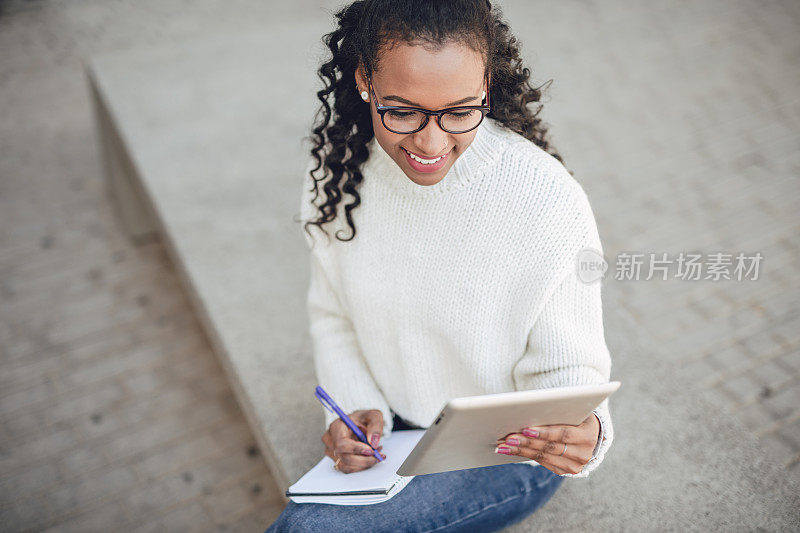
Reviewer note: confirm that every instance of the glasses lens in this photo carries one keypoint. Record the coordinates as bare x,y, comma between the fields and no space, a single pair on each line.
403,121
462,120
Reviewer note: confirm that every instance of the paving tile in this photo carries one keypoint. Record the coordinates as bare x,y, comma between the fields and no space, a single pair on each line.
67,499
31,394
762,344
702,371
133,359
733,359
234,437
106,420
257,520
80,461
190,517
21,454
791,360
24,425
742,389
226,504
788,331
778,448
790,433
771,376
755,416
784,402
202,478
97,518
167,459
83,401
29,481
149,435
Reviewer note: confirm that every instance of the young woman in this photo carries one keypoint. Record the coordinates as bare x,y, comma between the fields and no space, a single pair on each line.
458,275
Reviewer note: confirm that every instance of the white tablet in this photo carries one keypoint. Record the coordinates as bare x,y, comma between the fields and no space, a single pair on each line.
465,433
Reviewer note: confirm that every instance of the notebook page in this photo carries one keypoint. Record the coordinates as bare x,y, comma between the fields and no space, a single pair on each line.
323,479
356,499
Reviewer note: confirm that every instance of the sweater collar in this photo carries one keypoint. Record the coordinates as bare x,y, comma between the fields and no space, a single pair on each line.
485,148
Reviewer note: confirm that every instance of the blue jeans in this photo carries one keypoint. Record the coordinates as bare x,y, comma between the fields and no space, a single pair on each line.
474,500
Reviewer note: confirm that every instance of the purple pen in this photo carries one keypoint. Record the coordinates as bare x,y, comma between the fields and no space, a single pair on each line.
331,406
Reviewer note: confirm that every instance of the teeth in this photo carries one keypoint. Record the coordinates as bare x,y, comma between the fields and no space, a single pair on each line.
424,161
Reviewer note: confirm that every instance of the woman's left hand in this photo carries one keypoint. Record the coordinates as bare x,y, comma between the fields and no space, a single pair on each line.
545,445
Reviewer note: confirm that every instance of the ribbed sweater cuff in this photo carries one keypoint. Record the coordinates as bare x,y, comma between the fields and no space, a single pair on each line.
604,440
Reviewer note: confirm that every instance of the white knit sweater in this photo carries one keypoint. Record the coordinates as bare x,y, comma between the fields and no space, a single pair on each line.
460,288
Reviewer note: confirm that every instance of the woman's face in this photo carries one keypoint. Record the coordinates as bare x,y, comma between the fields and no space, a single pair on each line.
413,76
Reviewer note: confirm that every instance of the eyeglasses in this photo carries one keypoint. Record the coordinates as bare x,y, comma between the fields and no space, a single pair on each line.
405,120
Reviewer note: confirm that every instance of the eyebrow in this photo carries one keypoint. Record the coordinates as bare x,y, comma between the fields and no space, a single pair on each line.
408,102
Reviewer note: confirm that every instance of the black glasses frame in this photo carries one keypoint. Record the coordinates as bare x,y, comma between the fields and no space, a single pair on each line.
382,109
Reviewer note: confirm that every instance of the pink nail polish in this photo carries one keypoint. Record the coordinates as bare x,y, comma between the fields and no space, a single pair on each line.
503,450
530,432
366,451
512,441
375,439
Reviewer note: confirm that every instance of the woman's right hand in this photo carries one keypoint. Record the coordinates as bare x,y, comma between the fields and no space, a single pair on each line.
340,441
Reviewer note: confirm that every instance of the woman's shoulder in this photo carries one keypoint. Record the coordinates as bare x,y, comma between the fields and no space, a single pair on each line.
533,164
537,191
533,176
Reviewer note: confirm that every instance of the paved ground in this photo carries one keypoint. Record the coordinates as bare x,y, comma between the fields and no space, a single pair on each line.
112,407
719,173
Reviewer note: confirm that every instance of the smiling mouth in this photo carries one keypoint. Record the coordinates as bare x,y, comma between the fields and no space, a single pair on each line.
425,161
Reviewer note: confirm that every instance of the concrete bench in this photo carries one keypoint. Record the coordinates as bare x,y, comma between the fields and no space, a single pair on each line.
203,149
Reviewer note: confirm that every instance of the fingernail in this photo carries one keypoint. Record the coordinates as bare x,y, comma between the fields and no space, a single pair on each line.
530,432
503,450
383,456
512,441
366,451
376,437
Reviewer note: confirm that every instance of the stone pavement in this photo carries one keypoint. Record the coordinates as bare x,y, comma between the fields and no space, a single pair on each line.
114,413
679,119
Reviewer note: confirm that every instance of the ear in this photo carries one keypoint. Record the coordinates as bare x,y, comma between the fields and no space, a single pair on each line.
360,78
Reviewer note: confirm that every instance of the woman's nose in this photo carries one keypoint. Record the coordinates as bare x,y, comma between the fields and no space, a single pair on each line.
431,139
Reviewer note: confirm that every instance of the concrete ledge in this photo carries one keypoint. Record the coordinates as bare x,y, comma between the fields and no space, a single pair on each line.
124,182
196,152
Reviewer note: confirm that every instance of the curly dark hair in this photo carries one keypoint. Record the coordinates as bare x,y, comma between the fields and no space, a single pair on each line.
340,135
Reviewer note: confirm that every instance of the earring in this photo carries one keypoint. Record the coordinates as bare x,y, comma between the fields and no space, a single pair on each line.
365,96
483,95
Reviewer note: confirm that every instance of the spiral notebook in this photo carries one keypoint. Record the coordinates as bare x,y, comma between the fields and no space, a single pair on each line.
323,484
